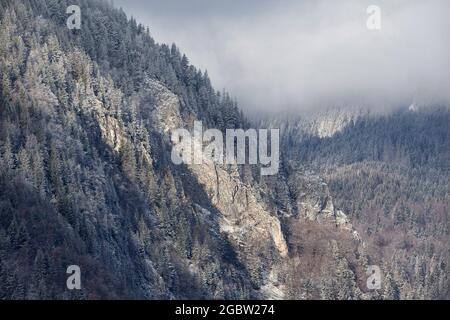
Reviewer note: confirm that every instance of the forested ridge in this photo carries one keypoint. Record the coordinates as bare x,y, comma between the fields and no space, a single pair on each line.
389,173
67,197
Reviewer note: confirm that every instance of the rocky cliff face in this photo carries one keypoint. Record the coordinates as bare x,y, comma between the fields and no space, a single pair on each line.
314,202
254,232
327,123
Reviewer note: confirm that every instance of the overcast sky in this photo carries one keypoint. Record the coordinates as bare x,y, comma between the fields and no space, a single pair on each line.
303,54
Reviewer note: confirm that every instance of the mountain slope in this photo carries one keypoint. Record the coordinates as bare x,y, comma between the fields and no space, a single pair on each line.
86,178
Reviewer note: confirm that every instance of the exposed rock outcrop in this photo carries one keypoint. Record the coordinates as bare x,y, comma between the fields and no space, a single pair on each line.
246,222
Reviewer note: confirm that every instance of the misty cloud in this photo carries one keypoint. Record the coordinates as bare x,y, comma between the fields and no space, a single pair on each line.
276,55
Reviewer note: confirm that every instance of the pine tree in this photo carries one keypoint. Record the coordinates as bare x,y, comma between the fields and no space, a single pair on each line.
25,165
3,279
128,160
18,234
7,157
390,288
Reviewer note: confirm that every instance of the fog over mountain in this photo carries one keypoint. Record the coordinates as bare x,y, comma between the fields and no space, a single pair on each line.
274,55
